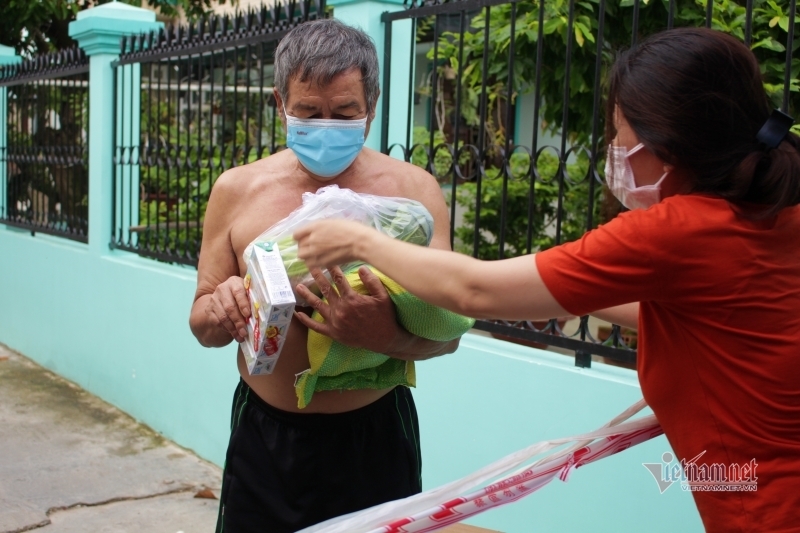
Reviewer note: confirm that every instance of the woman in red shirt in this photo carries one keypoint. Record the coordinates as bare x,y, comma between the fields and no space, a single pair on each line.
706,265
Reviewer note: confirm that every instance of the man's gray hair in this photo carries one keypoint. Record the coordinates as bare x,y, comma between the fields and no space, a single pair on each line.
320,50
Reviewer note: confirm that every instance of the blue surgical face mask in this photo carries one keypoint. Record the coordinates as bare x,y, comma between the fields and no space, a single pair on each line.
325,147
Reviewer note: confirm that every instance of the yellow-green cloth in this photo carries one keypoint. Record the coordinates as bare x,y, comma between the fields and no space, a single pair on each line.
334,366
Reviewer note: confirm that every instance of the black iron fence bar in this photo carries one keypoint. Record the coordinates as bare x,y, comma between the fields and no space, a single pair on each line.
115,160
63,80
386,89
45,229
420,11
462,25
789,49
43,155
235,104
506,174
170,163
537,106
412,65
220,32
434,100
565,122
620,354
748,22
42,76
482,130
192,180
59,64
671,15
595,140
635,22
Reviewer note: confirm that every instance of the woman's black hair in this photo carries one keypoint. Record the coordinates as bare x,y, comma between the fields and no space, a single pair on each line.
696,99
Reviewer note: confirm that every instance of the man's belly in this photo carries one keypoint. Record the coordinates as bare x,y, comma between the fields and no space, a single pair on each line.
277,389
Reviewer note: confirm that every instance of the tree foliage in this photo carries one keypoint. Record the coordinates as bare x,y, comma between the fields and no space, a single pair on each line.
770,26
40,26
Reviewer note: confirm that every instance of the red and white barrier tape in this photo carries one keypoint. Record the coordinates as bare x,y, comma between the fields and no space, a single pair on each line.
442,506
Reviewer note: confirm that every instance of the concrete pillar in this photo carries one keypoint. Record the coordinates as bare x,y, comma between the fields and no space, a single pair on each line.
99,31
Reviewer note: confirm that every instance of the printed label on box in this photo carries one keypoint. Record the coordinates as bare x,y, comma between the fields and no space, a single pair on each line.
271,303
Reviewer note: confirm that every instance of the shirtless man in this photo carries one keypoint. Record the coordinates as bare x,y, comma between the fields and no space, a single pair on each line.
347,450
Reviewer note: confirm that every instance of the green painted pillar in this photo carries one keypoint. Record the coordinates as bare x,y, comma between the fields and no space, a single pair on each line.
7,57
99,31
366,15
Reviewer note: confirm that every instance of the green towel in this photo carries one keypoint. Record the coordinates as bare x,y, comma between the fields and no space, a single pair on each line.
335,366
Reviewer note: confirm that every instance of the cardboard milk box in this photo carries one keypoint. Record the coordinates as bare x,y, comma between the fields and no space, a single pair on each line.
271,305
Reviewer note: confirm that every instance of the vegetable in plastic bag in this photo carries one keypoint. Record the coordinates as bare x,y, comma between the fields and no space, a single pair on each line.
400,218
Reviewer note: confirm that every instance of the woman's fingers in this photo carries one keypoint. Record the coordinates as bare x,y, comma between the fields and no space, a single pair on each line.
326,242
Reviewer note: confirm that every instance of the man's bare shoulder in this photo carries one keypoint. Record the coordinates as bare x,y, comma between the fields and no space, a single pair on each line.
406,179
240,180
396,166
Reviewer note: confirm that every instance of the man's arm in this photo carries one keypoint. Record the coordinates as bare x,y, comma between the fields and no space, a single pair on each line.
406,345
220,307
365,321
369,321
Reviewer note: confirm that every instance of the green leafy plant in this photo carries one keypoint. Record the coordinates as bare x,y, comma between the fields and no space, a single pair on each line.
173,197
40,26
770,27
504,208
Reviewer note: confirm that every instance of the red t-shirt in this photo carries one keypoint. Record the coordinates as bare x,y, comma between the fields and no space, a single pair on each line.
719,339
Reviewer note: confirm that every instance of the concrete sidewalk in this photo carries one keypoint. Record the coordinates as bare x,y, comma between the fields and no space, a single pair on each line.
69,463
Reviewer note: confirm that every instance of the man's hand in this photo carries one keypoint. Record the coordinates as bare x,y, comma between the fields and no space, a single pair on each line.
353,319
229,308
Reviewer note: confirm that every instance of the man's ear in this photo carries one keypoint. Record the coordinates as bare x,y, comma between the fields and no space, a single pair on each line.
279,105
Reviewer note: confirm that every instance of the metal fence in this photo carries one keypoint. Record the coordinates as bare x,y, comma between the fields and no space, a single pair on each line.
45,160
507,113
192,102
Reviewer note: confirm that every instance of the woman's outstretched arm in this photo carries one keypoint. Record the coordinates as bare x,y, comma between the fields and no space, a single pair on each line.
508,289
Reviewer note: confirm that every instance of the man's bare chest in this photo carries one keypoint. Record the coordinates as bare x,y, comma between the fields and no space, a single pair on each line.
256,216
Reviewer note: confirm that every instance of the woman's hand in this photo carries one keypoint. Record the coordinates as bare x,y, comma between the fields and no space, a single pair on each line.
330,242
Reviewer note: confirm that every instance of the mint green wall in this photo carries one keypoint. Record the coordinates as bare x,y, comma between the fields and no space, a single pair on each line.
492,398
117,325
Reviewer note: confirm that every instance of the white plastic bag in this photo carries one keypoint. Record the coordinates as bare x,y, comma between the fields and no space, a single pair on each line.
463,498
400,218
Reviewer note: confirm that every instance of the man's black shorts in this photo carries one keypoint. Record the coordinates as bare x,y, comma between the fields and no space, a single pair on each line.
287,471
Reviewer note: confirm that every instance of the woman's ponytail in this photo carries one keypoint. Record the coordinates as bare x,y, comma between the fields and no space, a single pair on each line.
773,177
